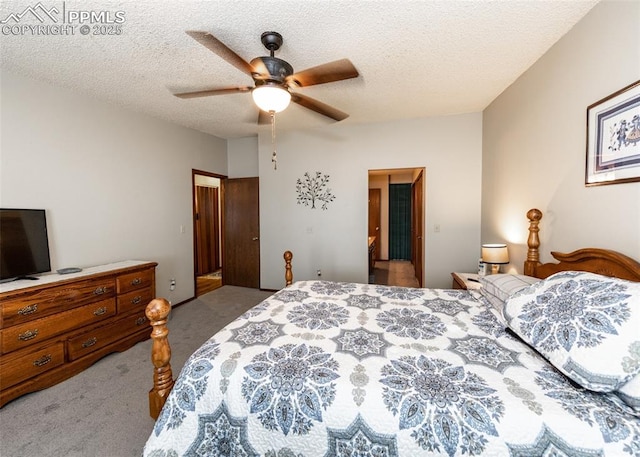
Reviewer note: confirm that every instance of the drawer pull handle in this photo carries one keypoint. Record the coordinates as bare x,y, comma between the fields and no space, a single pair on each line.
28,335
90,342
141,320
28,310
100,311
100,290
135,300
42,361
136,281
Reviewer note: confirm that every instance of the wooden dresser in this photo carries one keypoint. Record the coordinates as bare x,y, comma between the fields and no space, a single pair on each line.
53,328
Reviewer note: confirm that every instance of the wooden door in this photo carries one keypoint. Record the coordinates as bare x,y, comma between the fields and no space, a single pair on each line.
241,253
417,227
374,219
207,223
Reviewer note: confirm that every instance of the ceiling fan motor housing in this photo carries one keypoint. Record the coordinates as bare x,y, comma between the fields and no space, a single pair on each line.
278,70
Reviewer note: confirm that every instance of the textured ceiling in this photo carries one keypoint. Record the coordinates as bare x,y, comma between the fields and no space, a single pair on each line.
415,58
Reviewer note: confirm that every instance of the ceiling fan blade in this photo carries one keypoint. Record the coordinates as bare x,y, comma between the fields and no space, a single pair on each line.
319,107
209,92
221,49
264,118
326,73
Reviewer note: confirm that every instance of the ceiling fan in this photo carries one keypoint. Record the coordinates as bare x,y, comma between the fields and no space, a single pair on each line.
274,78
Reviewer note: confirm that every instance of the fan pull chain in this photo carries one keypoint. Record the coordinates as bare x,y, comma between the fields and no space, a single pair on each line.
274,157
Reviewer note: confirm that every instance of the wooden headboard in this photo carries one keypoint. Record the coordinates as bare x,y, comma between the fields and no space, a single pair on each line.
600,261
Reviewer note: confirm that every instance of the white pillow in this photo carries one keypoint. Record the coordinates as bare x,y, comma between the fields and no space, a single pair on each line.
498,288
586,325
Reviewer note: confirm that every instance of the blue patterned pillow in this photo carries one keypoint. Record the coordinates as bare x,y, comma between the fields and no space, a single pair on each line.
586,325
630,391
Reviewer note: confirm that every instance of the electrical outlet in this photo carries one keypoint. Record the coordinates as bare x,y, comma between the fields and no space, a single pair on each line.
319,272
172,284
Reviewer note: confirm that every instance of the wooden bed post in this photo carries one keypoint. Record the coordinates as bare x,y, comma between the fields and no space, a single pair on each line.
157,312
288,274
533,242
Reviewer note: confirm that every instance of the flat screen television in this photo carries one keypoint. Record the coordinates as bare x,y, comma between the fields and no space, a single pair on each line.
24,244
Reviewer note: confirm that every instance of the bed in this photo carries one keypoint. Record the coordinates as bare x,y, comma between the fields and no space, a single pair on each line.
543,363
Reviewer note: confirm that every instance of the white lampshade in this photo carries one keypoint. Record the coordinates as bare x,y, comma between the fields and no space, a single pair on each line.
495,254
271,98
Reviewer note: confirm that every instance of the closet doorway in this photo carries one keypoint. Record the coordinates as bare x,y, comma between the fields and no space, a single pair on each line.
399,236
207,230
400,221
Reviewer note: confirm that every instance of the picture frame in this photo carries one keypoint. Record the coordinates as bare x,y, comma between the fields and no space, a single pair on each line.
613,138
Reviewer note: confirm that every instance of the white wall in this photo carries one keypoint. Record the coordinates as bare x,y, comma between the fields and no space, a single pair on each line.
206,181
534,143
116,184
335,240
242,155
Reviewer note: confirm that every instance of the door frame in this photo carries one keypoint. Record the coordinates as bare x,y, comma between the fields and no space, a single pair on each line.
222,178
417,226
417,172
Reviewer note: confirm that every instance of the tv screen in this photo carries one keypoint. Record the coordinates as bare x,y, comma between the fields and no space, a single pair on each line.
24,245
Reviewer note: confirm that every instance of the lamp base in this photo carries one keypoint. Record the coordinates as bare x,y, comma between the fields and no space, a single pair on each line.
495,269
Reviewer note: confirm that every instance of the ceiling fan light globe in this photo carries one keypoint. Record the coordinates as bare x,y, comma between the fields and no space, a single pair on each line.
271,98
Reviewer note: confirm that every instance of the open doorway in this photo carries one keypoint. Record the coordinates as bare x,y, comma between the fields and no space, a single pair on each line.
396,227
207,230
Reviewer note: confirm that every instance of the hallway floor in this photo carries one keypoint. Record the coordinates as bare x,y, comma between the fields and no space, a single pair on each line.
207,283
394,273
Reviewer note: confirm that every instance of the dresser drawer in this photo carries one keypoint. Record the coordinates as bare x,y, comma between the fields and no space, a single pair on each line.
133,281
135,300
100,337
26,364
39,330
40,303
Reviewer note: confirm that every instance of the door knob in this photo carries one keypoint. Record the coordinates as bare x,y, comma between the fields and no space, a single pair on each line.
255,238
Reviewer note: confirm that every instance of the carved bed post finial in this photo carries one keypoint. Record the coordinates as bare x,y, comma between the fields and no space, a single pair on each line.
288,274
533,242
157,312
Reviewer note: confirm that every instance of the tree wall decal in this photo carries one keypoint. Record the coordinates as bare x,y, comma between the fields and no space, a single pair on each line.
314,189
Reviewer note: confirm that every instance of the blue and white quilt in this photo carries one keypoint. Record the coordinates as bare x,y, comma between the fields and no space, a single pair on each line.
342,369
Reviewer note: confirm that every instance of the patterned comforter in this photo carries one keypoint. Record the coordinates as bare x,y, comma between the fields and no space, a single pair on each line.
342,369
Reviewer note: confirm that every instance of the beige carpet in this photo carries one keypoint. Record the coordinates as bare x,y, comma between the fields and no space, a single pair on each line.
103,411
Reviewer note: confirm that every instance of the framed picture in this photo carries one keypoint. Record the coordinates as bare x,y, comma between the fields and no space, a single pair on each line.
613,138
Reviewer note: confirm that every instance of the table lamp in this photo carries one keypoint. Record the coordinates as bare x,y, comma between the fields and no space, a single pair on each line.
495,254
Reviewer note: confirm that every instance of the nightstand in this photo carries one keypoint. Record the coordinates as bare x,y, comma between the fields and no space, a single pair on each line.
465,281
